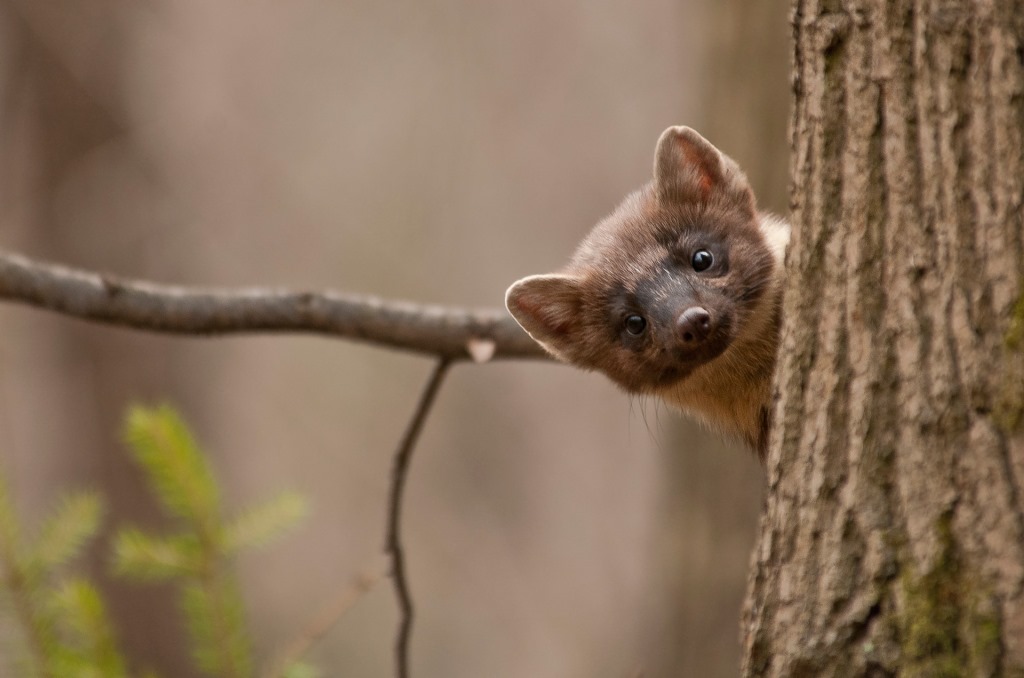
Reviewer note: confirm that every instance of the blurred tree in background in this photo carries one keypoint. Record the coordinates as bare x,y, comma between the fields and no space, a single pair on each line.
432,151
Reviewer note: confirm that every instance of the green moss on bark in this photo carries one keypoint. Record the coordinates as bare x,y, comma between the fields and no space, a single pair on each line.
949,628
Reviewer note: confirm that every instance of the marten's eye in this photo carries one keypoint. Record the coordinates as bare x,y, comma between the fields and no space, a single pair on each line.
635,325
702,260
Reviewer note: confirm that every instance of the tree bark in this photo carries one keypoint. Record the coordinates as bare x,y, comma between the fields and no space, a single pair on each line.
893,537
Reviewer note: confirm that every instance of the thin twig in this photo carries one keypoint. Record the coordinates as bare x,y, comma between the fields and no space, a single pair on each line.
448,333
393,542
325,619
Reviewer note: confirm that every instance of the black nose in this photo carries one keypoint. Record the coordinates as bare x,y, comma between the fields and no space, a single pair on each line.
694,325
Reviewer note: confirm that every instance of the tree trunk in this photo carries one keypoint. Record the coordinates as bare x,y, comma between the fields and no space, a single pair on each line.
893,538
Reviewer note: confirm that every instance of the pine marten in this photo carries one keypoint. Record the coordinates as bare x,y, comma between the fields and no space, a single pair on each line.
676,294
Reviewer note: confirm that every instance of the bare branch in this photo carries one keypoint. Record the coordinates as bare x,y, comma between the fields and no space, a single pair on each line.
325,619
451,335
399,473
448,333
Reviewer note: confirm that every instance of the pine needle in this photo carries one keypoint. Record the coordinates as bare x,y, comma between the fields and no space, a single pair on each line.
259,524
150,558
88,633
301,670
215,617
176,470
65,533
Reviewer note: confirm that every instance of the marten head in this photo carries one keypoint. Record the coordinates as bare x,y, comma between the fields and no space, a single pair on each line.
668,283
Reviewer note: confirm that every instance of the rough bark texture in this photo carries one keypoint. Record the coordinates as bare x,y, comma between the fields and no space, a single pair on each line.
893,537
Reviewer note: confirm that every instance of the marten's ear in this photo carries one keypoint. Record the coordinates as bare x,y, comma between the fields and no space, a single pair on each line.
548,308
688,168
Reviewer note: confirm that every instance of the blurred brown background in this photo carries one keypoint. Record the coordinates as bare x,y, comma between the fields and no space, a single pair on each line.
435,151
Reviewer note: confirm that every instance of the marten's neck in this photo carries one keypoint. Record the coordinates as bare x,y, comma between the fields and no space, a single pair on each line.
732,393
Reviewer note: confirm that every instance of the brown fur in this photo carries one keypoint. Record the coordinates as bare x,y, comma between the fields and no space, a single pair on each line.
638,261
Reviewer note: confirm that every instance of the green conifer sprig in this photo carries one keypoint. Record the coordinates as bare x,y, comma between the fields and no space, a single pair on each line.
197,557
175,468
257,525
216,620
301,670
157,558
90,648
63,621
66,532
65,626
